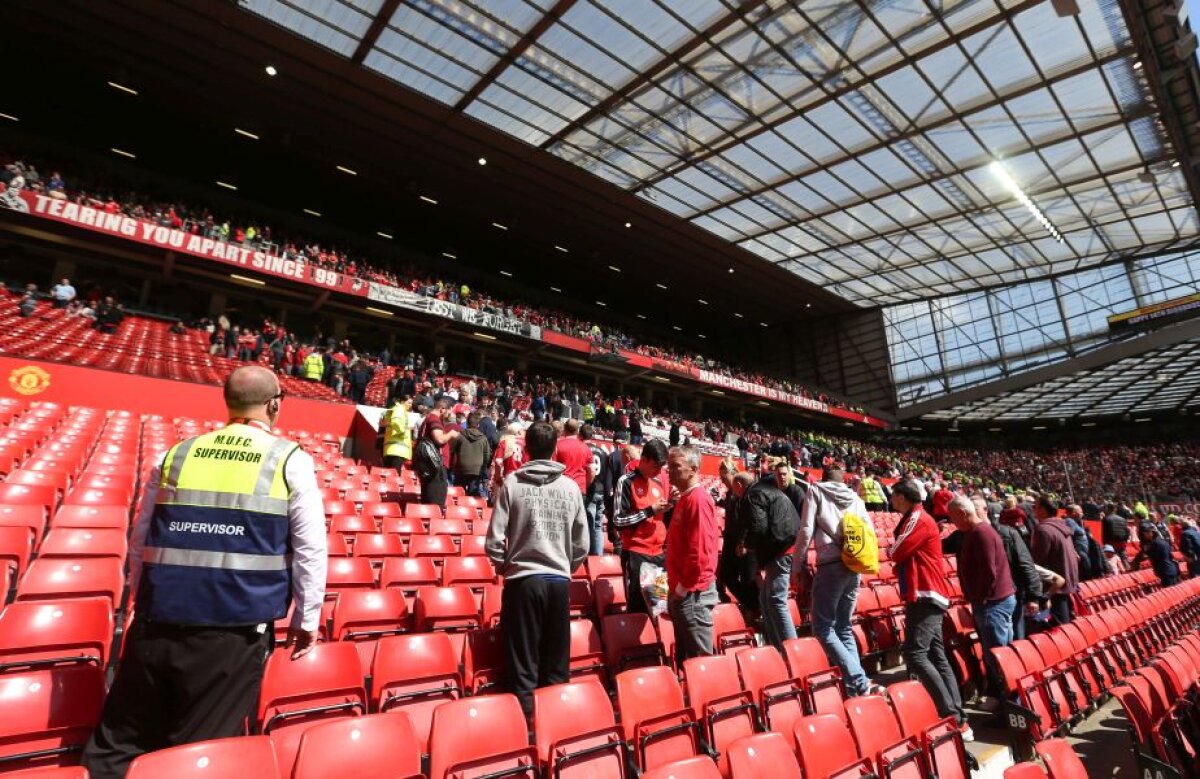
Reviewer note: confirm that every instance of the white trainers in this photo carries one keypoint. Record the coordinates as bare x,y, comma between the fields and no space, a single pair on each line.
968,735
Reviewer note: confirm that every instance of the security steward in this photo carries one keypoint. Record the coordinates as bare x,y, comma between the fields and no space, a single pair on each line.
231,531
871,492
397,434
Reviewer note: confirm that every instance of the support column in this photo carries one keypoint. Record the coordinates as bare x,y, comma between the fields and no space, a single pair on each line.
144,295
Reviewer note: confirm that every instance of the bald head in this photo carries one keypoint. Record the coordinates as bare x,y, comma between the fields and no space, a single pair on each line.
962,512
571,426
249,390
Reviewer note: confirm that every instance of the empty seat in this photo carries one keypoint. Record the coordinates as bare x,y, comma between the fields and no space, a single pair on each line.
83,542
16,545
630,640
432,546
48,715
826,749
763,755
323,684
445,608
472,570
32,518
657,726
63,577
77,630
688,768
780,698
878,738
91,516
575,731
1024,771
483,660
409,576
487,733
729,629
587,652
1061,760
376,547
415,674
223,758
364,616
725,710
348,573
941,739
377,746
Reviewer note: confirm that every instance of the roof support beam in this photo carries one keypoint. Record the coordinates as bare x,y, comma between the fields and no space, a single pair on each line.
386,11
518,48
648,75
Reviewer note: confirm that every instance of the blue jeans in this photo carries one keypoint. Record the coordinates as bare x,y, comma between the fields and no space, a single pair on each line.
595,512
773,601
834,593
994,623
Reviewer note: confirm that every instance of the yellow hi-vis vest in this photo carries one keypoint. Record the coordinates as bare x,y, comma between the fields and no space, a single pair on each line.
869,490
217,550
314,367
397,433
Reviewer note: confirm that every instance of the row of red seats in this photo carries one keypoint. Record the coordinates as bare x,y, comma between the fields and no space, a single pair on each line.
1161,705
1058,677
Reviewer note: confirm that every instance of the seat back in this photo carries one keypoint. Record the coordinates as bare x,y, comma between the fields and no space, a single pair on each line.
657,726
824,745
487,732
325,682
415,674
377,746
37,634
629,641
1061,760
223,758
1024,771
873,725
48,715
688,768
445,608
575,731
763,755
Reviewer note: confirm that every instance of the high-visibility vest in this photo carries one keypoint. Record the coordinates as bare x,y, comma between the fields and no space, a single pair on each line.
397,433
314,367
217,550
869,490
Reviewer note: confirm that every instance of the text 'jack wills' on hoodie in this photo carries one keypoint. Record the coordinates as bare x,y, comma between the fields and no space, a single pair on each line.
539,525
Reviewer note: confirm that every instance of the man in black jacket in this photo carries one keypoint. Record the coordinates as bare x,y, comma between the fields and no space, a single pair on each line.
1114,531
771,521
1020,564
737,567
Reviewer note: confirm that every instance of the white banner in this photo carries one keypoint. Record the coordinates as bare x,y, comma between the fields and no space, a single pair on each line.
402,298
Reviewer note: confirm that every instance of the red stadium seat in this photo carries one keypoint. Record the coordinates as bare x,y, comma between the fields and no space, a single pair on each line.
1024,771
348,573
780,698
365,616
763,755
1061,760
35,634
726,711
381,510
30,517
409,576
587,652
326,683
92,516
917,717
657,726
336,546
48,715
729,629
83,542
826,748
483,660
445,608
486,733
423,511
877,736
57,578
29,495
576,733
352,525
16,545
403,526
432,546
377,746
468,571
415,674
629,641
455,523
689,768
378,546
223,758
90,496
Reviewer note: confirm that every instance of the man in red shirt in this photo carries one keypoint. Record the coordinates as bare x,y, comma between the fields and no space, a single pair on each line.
438,429
692,543
575,455
641,511
917,553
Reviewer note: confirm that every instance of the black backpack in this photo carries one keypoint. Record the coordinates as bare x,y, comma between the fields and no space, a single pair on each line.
1096,564
427,459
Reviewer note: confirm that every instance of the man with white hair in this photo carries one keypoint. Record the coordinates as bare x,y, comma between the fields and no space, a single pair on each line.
986,582
691,557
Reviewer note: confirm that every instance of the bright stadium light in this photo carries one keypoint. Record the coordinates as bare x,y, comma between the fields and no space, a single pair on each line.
123,153
122,88
245,133
1015,189
271,71
9,117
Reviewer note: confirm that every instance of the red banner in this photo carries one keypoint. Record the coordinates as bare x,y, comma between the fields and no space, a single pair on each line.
33,380
229,254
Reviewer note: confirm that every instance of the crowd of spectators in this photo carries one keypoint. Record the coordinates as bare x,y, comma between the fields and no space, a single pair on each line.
200,220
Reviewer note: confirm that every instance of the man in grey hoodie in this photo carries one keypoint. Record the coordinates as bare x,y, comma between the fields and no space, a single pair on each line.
537,538
834,586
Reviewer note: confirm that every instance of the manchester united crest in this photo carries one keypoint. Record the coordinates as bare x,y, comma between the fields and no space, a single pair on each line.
29,380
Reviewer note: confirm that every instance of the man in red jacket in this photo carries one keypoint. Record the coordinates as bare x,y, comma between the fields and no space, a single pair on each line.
917,553
692,542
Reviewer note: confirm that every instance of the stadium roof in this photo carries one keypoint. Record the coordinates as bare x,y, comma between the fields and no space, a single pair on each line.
887,150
